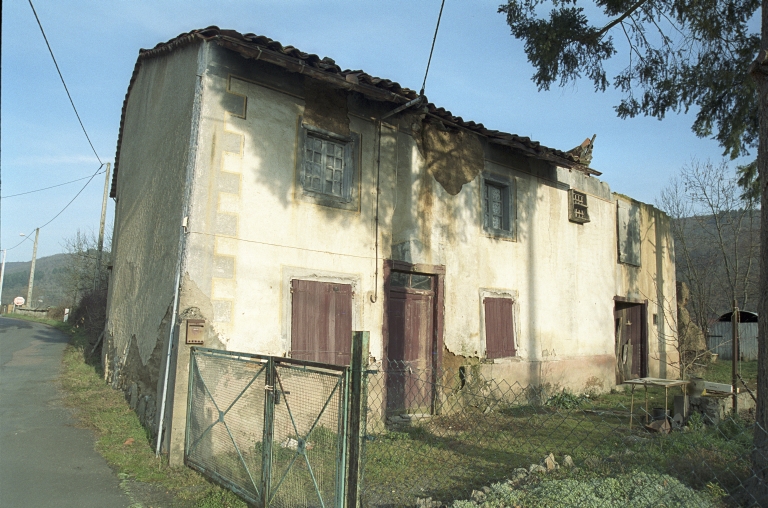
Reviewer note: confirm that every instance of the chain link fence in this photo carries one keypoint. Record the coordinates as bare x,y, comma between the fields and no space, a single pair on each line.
456,438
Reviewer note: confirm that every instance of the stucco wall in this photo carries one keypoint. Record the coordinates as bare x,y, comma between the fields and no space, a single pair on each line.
559,272
148,212
249,234
252,230
653,281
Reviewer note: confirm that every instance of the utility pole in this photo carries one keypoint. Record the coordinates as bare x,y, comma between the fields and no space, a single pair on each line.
32,270
735,355
97,278
2,276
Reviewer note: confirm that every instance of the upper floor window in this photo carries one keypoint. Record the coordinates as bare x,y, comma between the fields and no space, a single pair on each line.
324,168
498,206
327,171
628,224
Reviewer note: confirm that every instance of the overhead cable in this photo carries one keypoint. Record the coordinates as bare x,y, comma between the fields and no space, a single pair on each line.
51,187
98,171
424,84
63,83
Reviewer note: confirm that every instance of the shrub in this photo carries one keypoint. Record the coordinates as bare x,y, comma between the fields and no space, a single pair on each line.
565,400
56,313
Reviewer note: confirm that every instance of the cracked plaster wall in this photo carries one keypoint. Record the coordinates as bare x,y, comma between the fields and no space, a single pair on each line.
250,232
654,281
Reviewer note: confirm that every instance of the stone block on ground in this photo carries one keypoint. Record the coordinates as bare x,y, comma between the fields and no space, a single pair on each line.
550,463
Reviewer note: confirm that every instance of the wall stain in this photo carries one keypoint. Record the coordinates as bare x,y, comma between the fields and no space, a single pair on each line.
454,157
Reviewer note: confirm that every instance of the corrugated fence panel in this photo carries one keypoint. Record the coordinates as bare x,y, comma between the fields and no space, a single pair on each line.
719,340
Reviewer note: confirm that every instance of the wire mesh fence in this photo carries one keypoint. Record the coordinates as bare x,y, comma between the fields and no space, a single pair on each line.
457,438
272,430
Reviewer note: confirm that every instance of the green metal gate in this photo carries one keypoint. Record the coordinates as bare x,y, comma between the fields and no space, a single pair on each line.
271,429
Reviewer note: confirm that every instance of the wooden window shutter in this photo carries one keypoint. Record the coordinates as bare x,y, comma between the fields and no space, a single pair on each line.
499,328
321,321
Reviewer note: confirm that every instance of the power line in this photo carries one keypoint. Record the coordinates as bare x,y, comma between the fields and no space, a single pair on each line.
51,187
65,206
424,84
63,83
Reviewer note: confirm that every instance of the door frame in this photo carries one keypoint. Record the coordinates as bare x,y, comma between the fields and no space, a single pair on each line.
644,349
438,271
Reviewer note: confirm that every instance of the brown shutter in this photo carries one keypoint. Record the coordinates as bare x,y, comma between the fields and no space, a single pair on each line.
321,321
499,328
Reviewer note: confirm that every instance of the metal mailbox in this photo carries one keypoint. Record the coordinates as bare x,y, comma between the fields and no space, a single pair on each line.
195,331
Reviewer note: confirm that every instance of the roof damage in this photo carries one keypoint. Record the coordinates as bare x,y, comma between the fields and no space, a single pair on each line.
259,47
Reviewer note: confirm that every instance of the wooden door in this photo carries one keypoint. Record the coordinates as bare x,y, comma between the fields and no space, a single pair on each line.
631,340
321,321
410,381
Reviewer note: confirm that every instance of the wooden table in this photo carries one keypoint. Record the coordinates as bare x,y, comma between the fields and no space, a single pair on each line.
645,382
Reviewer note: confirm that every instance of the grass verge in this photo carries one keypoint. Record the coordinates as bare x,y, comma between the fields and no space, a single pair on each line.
121,439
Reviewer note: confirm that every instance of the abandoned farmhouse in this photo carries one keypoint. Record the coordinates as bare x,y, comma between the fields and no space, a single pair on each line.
269,202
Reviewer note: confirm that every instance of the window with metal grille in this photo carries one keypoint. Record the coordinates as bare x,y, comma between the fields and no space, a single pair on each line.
324,166
498,216
578,207
326,171
499,328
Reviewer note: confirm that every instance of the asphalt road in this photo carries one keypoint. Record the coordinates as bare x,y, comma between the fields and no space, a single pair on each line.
45,460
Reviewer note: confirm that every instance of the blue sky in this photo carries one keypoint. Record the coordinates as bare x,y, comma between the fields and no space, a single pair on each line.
478,72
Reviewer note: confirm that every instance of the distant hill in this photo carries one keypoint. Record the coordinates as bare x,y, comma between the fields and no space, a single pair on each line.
47,286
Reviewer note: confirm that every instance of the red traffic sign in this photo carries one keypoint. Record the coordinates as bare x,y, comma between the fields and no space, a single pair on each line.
19,301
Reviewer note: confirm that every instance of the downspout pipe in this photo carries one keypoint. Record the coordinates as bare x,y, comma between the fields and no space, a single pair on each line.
202,59
415,102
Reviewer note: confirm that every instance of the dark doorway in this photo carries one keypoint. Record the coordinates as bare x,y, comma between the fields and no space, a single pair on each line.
411,341
631,340
321,321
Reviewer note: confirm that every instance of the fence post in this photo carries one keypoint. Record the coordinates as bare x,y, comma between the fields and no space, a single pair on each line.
357,412
735,356
190,387
269,425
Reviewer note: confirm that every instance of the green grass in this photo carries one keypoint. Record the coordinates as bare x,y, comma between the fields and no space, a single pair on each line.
121,439
720,372
448,456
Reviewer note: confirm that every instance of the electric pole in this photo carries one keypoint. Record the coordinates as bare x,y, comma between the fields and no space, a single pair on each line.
32,270
2,276
97,278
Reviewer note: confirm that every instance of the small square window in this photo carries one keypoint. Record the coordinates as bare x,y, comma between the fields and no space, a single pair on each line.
498,207
326,169
577,210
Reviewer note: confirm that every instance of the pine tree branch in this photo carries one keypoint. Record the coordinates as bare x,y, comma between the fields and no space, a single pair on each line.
599,34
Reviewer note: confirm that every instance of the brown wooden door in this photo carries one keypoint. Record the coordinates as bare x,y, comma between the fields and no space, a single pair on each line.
631,340
410,321
321,321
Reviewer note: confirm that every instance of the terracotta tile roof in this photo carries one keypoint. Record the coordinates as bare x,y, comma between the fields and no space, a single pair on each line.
263,48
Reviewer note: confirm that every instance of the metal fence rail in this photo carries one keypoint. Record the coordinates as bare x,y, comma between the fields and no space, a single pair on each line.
454,437
273,430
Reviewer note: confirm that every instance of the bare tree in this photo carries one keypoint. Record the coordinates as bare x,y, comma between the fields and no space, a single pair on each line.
79,276
716,229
